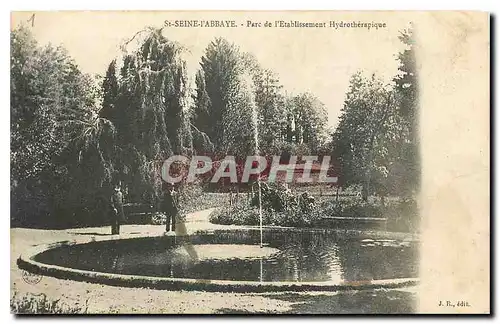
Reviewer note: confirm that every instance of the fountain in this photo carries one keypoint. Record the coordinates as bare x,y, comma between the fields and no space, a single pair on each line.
231,260
255,121
293,259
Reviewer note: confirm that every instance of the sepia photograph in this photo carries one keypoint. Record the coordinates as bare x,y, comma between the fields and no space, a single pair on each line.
237,162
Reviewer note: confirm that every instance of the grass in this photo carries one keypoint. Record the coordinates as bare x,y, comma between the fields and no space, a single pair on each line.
41,304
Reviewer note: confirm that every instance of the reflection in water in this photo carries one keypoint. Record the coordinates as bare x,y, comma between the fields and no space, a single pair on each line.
261,270
335,270
230,255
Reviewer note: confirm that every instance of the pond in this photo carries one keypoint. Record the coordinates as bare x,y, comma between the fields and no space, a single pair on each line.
288,256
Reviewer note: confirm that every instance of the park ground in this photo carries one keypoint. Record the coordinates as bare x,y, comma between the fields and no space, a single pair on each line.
92,298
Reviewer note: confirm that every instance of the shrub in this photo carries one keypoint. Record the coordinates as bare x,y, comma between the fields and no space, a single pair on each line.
238,214
40,304
193,198
279,208
403,216
274,196
158,219
361,208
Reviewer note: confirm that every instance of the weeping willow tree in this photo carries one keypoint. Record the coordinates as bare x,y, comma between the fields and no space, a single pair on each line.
149,111
72,138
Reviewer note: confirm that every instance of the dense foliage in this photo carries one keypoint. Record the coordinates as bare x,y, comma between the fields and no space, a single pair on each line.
376,140
234,94
74,135
56,155
280,207
41,304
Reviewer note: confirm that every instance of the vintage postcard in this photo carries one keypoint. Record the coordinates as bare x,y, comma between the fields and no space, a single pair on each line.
238,162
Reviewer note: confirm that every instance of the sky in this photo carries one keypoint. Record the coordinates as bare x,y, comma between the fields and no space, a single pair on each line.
319,61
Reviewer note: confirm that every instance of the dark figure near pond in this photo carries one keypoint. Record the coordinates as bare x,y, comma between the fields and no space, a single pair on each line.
169,206
117,214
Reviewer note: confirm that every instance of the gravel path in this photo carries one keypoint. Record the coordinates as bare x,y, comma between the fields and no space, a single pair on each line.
97,298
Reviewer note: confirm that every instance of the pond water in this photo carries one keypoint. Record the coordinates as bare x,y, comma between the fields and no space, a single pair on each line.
291,256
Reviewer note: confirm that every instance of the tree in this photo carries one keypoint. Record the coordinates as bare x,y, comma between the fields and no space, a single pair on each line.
376,140
37,97
150,111
407,95
110,92
51,102
200,117
368,128
225,100
271,108
237,98
309,117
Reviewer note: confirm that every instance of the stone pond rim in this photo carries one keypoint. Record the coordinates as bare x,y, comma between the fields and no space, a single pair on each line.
26,262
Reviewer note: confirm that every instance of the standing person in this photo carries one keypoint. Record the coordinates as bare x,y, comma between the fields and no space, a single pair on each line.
170,206
118,216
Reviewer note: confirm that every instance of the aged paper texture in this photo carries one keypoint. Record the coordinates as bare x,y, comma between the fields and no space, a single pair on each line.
237,162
